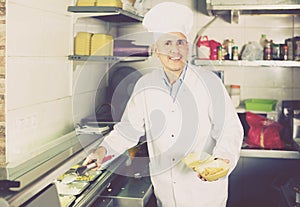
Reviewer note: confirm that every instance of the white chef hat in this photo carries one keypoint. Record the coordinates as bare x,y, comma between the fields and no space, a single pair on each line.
169,17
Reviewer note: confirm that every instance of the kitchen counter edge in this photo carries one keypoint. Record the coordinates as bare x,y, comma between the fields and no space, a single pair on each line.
261,153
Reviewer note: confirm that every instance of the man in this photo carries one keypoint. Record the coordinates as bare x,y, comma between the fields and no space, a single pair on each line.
174,109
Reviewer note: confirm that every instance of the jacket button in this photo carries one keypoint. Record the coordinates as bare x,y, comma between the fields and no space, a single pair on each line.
173,159
172,135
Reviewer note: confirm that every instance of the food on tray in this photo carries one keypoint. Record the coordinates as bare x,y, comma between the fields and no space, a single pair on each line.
89,176
213,169
209,168
73,188
75,167
195,159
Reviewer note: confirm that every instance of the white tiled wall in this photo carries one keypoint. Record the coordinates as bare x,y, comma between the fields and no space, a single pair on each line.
89,79
48,120
47,93
39,75
34,80
50,30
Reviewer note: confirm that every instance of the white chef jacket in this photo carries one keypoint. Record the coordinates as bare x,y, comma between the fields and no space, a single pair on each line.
175,128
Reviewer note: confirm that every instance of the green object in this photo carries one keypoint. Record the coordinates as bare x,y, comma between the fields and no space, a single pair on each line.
260,104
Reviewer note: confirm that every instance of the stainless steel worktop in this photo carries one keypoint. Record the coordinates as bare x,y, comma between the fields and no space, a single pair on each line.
261,153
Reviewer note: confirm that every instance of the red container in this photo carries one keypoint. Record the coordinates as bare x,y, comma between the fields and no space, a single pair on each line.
211,46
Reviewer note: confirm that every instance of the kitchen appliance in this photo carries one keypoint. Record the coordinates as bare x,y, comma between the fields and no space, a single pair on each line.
290,118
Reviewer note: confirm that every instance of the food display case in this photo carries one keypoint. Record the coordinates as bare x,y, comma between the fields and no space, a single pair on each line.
39,181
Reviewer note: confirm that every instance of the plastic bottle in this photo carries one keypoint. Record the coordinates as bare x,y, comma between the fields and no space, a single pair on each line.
262,40
235,95
220,52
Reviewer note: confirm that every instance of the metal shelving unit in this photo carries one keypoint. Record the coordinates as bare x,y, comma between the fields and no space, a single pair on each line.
108,59
245,63
107,13
262,7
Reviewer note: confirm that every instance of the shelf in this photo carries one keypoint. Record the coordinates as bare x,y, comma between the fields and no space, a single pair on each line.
243,110
108,59
255,9
107,13
245,63
263,7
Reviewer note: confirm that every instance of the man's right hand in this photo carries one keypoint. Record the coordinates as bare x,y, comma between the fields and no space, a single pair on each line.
98,155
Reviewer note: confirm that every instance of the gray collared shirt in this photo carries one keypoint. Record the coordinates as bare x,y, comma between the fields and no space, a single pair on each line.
174,88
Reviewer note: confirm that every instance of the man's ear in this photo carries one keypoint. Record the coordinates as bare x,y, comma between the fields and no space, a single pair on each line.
154,50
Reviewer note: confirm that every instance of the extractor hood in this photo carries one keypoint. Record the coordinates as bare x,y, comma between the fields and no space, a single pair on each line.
237,7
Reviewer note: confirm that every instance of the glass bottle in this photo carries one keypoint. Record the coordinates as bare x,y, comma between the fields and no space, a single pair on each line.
229,49
235,53
268,50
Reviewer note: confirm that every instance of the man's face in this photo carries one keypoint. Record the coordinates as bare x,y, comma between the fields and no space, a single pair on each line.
172,50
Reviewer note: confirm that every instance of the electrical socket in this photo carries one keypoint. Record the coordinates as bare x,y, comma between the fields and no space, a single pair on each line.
27,122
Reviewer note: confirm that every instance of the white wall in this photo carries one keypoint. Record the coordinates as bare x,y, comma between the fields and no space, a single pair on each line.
46,95
38,81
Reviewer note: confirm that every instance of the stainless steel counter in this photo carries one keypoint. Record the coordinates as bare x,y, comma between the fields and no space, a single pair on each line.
258,175
261,153
36,174
76,150
129,191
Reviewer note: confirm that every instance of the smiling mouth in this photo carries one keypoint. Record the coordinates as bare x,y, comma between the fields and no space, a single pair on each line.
175,58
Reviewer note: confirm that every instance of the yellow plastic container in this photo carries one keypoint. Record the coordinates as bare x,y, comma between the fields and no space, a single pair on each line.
195,159
82,43
213,169
206,165
85,3
102,45
114,3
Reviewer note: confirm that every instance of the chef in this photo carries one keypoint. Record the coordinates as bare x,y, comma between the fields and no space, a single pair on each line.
178,108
